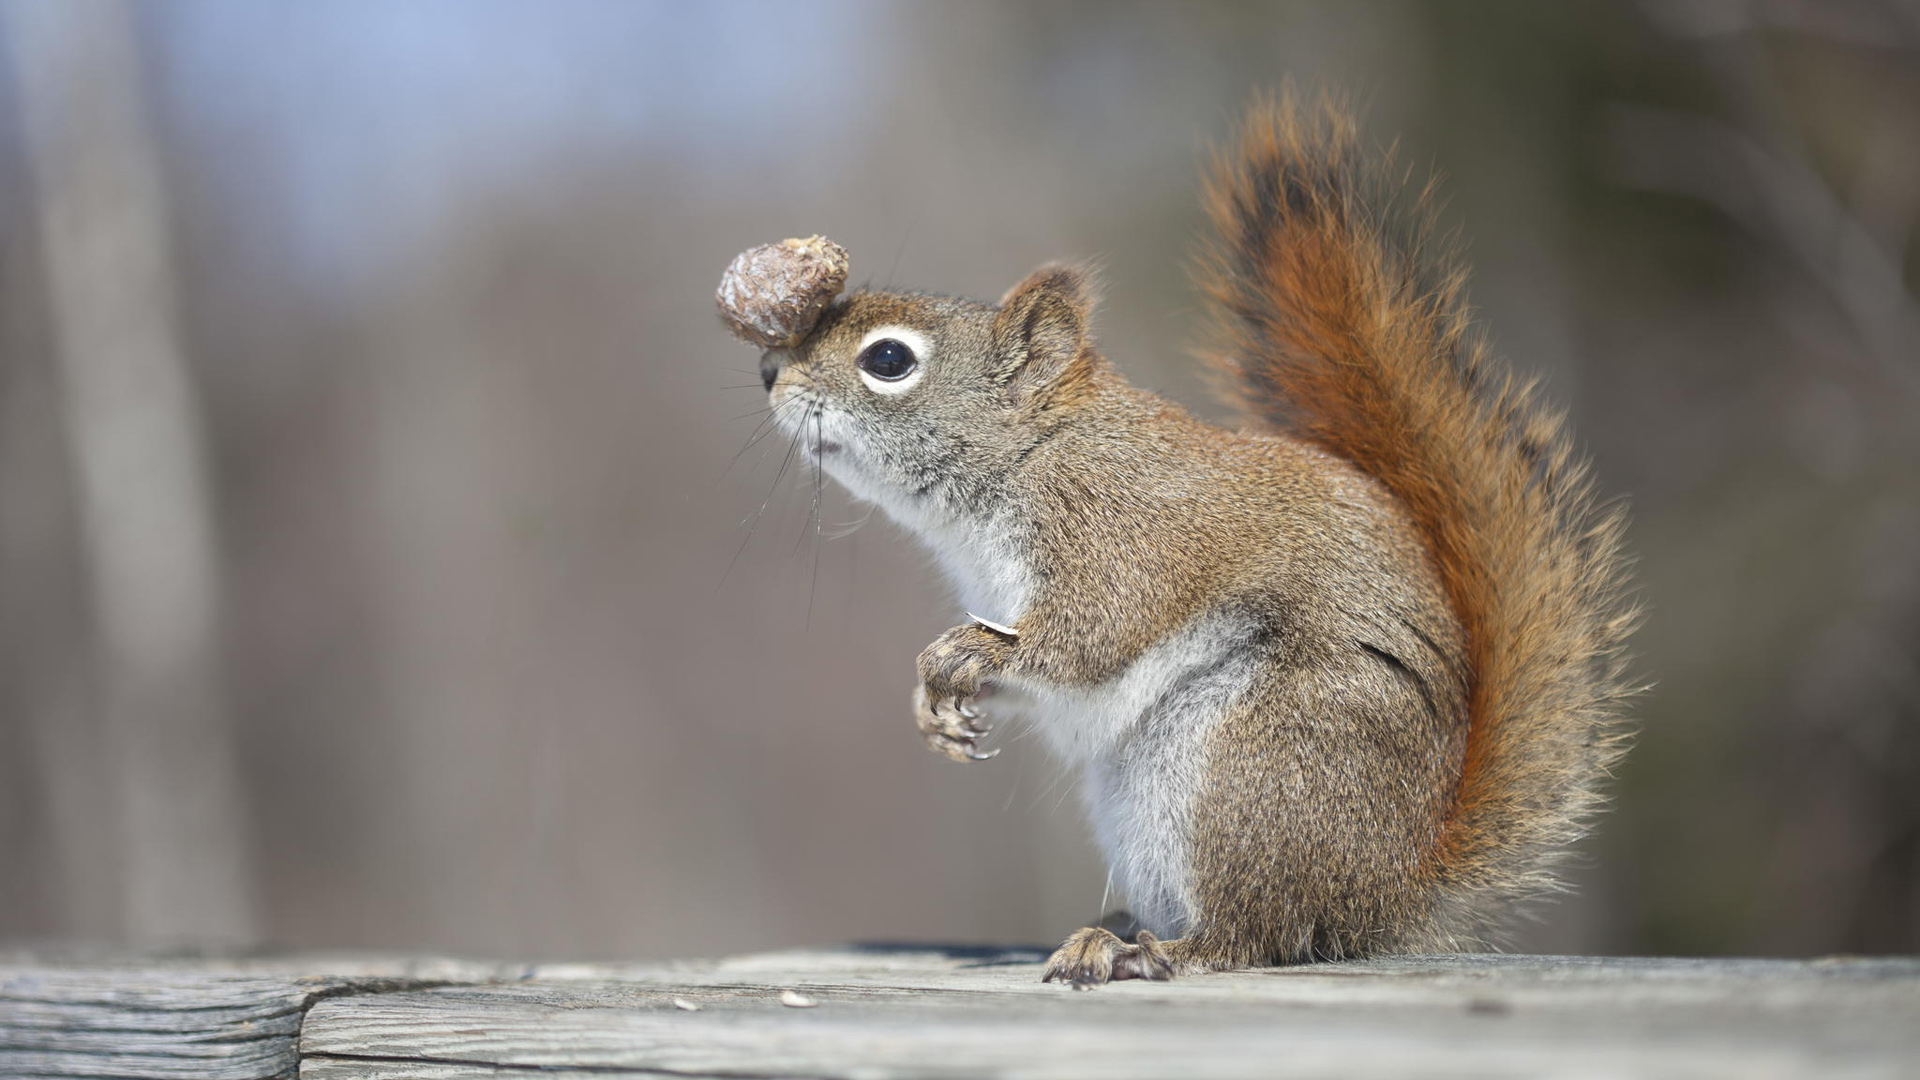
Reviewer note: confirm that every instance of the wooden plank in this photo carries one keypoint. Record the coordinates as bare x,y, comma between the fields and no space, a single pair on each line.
115,1023
918,1013
230,1020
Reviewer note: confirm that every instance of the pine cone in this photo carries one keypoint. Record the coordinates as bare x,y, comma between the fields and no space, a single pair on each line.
773,294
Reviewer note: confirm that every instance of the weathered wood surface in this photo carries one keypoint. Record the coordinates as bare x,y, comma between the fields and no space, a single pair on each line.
923,1012
90,1016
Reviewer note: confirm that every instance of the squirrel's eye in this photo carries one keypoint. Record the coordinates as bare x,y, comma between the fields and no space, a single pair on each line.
888,359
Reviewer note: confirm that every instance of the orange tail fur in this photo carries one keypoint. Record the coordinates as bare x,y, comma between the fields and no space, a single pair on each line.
1342,321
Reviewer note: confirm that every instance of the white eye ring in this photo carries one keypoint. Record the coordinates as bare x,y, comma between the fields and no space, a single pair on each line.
912,339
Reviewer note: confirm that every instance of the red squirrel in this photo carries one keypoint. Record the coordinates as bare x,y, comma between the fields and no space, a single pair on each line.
1338,683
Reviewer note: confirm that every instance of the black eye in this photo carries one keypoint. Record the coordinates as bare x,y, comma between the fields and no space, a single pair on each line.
888,359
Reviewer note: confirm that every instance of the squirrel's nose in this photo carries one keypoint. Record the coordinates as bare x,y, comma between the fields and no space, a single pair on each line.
769,369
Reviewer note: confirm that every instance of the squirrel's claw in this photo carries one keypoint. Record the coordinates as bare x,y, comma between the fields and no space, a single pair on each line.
961,718
949,728
961,750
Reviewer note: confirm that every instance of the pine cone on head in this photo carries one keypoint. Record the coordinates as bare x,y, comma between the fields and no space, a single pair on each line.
772,295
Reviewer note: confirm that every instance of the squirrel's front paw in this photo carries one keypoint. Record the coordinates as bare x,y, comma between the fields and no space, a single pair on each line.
950,726
952,671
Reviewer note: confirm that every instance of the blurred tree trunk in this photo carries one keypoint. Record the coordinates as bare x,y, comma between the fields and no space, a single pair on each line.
132,430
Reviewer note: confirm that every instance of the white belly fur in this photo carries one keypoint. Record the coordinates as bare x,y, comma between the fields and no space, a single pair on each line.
1139,742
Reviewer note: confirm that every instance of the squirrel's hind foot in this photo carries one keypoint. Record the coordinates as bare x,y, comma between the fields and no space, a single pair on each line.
1094,956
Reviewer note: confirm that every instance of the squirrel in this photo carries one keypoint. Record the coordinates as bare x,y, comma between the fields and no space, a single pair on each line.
1340,683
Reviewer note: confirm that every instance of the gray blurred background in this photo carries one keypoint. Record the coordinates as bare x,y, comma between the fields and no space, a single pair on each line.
371,569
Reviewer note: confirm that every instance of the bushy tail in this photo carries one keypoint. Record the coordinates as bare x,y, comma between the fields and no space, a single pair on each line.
1343,321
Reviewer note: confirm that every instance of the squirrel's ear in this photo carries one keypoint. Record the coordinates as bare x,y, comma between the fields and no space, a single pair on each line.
1043,324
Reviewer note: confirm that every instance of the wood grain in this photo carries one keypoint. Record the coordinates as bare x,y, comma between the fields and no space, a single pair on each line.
931,1012
906,1013
221,1020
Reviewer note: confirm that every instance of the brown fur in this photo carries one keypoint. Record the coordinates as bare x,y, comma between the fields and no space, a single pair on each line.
1341,322
1410,617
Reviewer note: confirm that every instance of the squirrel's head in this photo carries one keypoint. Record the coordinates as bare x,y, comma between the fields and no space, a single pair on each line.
925,404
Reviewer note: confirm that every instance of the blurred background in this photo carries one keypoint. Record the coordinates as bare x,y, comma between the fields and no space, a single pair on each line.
372,572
